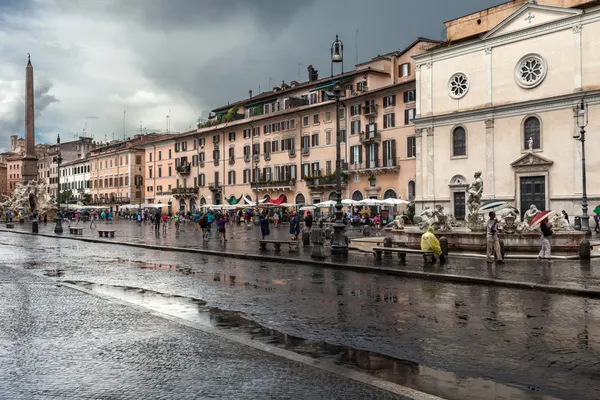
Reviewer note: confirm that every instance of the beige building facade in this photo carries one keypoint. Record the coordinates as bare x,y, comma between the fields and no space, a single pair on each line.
502,101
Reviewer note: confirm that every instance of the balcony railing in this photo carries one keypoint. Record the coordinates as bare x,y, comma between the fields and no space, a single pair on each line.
110,200
185,191
267,156
306,151
272,184
370,136
161,193
202,163
325,181
377,164
370,110
214,186
184,169
292,153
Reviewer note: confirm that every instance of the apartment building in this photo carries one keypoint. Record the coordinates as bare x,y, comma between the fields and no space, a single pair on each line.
117,171
281,144
13,171
75,176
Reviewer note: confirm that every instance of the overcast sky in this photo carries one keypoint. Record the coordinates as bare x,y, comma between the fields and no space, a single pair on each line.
95,59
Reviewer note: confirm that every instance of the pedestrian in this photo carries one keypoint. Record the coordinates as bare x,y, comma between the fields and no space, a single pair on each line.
377,221
164,218
138,218
493,243
294,226
276,219
264,224
45,219
221,222
196,220
597,221
176,220
308,221
431,243
204,226
546,229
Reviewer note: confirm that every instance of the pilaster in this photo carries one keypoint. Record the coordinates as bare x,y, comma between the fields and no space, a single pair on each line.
430,164
418,91
489,157
419,164
429,66
488,74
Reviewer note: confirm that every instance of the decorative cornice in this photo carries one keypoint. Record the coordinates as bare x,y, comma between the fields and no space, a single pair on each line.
577,29
489,123
418,67
430,131
429,64
418,133
488,50
508,110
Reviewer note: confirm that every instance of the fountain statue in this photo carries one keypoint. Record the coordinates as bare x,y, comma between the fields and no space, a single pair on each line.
437,218
32,197
530,214
398,222
475,221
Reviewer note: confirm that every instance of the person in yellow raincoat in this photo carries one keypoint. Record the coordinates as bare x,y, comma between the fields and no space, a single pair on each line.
430,243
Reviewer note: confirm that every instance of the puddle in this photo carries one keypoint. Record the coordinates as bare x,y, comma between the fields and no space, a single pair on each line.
53,272
433,381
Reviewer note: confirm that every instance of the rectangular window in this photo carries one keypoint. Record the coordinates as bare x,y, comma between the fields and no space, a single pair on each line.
388,121
195,144
202,142
328,137
305,170
170,154
305,144
275,146
232,136
184,146
327,167
216,157
231,178
202,157
256,131
355,155
160,171
355,110
232,154
246,176
411,147
170,170
201,180
410,96
342,113
313,98
404,69
327,116
267,129
316,119
305,121
247,133
389,153
150,172
409,115
389,101
315,140
315,169
159,155
176,147
150,157
275,127
355,127
343,135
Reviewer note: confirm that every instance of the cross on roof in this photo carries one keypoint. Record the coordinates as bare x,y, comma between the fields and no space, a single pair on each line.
529,17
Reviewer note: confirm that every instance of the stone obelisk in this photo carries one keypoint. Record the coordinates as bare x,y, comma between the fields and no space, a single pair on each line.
29,170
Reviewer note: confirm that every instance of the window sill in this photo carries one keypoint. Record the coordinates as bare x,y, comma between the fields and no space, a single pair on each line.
459,157
524,151
317,124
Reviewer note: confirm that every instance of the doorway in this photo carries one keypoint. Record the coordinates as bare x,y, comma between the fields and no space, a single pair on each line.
533,191
460,201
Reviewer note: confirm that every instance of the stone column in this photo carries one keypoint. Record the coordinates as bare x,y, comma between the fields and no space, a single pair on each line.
430,165
488,73
29,170
577,59
419,165
430,88
489,157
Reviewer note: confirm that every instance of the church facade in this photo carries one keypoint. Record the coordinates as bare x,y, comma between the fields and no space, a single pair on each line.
504,103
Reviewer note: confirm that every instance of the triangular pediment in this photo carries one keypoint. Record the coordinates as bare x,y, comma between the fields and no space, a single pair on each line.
528,16
531,160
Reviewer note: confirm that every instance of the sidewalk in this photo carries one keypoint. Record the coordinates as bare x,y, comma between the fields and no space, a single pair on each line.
567,274
59,343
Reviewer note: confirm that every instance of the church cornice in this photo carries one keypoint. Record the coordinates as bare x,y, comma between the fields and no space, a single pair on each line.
560,102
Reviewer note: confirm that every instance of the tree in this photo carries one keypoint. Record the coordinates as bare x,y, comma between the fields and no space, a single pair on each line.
65,196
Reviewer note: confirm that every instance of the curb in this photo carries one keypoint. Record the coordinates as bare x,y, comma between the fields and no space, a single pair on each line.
403,391
461,279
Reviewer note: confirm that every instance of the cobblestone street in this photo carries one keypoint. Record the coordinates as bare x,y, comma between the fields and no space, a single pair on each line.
439,338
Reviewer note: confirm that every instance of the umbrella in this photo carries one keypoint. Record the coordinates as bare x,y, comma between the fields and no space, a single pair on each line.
597,210
492,205
537,220
304,208
348,202
368,202
394,202
325,204
365,212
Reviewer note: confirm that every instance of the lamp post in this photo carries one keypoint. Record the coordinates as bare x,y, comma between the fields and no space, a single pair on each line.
582,121
256,159
339,245
58,160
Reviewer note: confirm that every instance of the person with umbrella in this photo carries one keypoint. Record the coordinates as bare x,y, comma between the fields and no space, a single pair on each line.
597,219
541,220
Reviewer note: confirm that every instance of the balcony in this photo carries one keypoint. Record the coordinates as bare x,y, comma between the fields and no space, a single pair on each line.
182,192
184,169
377,166
292,153
305,151
267,156
284,184
215,186
202,163
161,193
326,181
371,136
231,160
370,110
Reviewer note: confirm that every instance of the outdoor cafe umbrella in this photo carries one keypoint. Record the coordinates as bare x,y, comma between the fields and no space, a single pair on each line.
393,202
348,202
368,202
492,205
305,208
326,204
537,220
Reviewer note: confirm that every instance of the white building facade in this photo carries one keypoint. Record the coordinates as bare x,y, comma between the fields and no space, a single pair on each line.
75,176
504,104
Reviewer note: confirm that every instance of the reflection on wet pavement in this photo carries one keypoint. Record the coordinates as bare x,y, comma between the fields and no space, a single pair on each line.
476,339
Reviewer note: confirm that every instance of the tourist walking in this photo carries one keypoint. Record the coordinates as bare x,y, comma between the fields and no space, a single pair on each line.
308,221
164,218
176,220
93,217
545,253
294,226
493,243
221,223
377,222
597,221
276,219
264,224
196,220
204,227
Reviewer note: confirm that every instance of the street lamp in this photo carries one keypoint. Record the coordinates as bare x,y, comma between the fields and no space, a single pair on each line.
58,160
582,121
256,176
339,245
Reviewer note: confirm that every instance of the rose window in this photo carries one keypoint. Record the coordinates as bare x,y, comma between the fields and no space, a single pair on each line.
458,85
530,71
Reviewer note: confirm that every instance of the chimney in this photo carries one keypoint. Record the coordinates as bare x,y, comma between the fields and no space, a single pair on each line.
249,94
313,74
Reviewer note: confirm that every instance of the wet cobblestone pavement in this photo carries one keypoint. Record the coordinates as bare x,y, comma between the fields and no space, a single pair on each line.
566,273
57,343
457,342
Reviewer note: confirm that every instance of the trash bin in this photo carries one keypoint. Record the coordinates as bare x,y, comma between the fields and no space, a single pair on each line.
577,223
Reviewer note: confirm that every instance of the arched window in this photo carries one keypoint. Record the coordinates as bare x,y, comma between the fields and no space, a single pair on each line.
192,205
357,196
389,194
202,201
411,190
459,142
531,130
332,196
300,199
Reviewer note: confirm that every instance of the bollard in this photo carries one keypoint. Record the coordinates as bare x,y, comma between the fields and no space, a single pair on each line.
34,227
318,238
585,250
305,238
